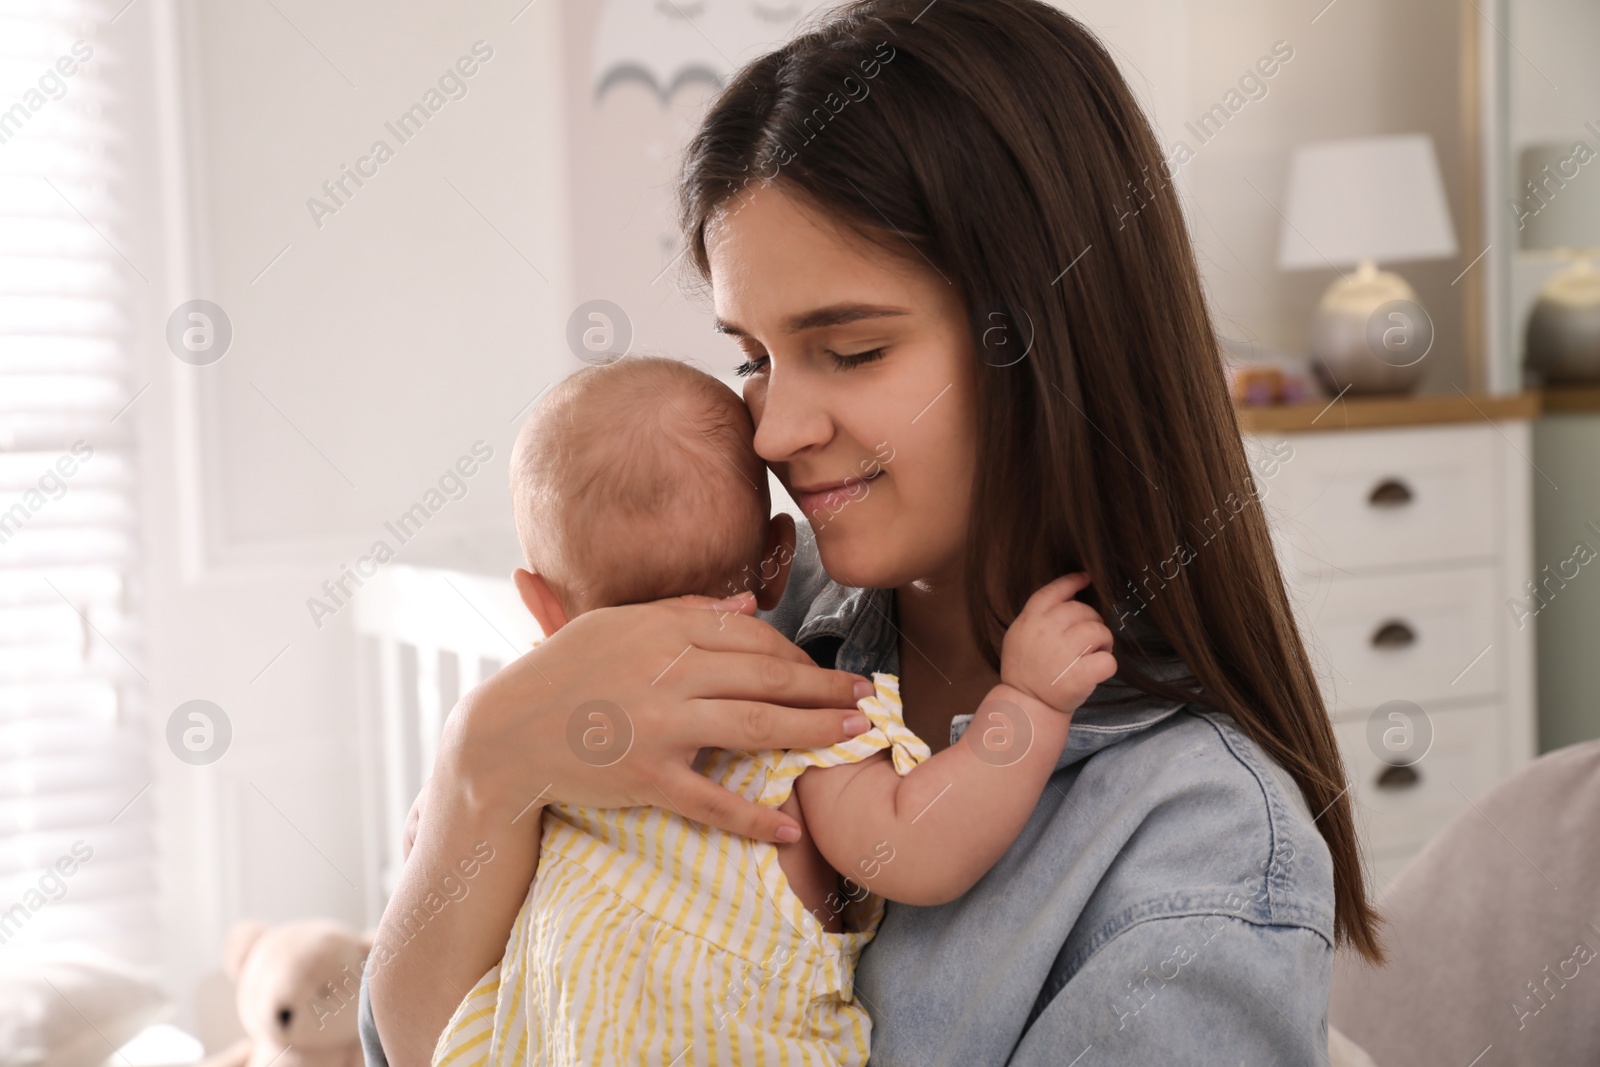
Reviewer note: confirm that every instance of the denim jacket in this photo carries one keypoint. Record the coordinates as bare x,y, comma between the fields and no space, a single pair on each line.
1168,902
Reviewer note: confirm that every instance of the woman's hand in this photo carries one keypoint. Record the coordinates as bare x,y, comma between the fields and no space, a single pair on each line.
609,711
612,710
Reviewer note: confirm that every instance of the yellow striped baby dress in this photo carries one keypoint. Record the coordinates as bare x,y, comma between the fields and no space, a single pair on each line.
650,939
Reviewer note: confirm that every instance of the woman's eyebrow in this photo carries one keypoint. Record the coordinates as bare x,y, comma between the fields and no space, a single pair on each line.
833,315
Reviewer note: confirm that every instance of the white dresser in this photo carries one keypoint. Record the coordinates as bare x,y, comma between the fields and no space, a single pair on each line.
1404,547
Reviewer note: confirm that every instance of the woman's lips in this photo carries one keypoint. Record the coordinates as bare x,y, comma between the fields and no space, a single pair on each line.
831,497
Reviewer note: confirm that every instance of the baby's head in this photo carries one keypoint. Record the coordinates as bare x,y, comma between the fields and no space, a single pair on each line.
639,480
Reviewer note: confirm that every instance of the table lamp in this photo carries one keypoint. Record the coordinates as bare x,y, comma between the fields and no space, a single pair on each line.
1559,213
1353,203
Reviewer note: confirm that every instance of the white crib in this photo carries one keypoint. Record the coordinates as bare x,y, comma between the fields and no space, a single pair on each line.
425,637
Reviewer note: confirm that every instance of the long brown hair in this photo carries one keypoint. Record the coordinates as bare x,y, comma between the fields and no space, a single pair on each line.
998,140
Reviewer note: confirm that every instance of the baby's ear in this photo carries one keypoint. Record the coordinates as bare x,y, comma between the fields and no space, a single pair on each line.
776,561
540,600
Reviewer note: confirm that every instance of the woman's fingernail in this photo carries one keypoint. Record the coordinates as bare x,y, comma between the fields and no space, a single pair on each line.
864,689
855,724
788,834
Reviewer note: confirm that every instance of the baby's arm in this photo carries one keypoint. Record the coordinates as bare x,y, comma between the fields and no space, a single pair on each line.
926,838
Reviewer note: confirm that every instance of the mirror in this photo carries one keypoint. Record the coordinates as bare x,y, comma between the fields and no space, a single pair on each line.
1547,217
1551,211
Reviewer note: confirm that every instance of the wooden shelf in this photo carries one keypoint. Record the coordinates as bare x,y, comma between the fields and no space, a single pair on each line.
1351,413
1571,399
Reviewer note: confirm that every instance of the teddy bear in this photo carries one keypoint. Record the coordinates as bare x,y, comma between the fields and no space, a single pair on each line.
297,987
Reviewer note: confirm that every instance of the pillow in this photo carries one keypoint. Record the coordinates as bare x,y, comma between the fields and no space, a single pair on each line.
70,1005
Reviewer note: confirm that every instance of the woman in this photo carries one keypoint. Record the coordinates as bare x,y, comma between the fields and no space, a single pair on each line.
979,357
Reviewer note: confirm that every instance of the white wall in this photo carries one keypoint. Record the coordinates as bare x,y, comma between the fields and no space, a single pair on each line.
367,357
1364,67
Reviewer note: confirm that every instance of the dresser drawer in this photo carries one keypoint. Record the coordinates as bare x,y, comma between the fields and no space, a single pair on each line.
1376,498
1425,637
1415,803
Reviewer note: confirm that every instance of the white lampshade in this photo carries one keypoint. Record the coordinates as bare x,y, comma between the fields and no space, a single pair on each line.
1559,204
1372,198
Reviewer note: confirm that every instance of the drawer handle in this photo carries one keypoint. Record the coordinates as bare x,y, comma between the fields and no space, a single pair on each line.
1394,778
1394,634
1390,493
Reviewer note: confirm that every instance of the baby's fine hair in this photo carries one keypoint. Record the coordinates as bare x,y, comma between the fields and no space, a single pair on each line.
639,480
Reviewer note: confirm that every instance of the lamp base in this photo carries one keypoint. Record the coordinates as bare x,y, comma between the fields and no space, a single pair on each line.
1369,334
1563,339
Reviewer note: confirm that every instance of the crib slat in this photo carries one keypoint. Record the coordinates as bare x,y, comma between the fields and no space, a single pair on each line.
392,727
430,716
468,672
405,609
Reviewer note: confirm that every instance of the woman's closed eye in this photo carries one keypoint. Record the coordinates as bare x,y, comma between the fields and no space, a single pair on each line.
857,359
841,361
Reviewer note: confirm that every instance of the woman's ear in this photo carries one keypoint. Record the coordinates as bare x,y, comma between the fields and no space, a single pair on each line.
540,600
776,561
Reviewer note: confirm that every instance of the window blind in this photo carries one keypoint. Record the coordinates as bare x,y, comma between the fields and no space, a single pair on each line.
76,855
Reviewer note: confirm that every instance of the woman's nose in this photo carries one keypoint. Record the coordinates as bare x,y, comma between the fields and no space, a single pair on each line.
790,418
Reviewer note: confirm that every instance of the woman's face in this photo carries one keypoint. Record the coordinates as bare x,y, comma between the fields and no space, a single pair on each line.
860,382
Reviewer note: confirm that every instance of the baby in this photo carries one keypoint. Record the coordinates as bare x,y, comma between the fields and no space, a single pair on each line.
647,938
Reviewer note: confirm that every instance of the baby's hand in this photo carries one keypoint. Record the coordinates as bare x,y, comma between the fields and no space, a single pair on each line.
1059,648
